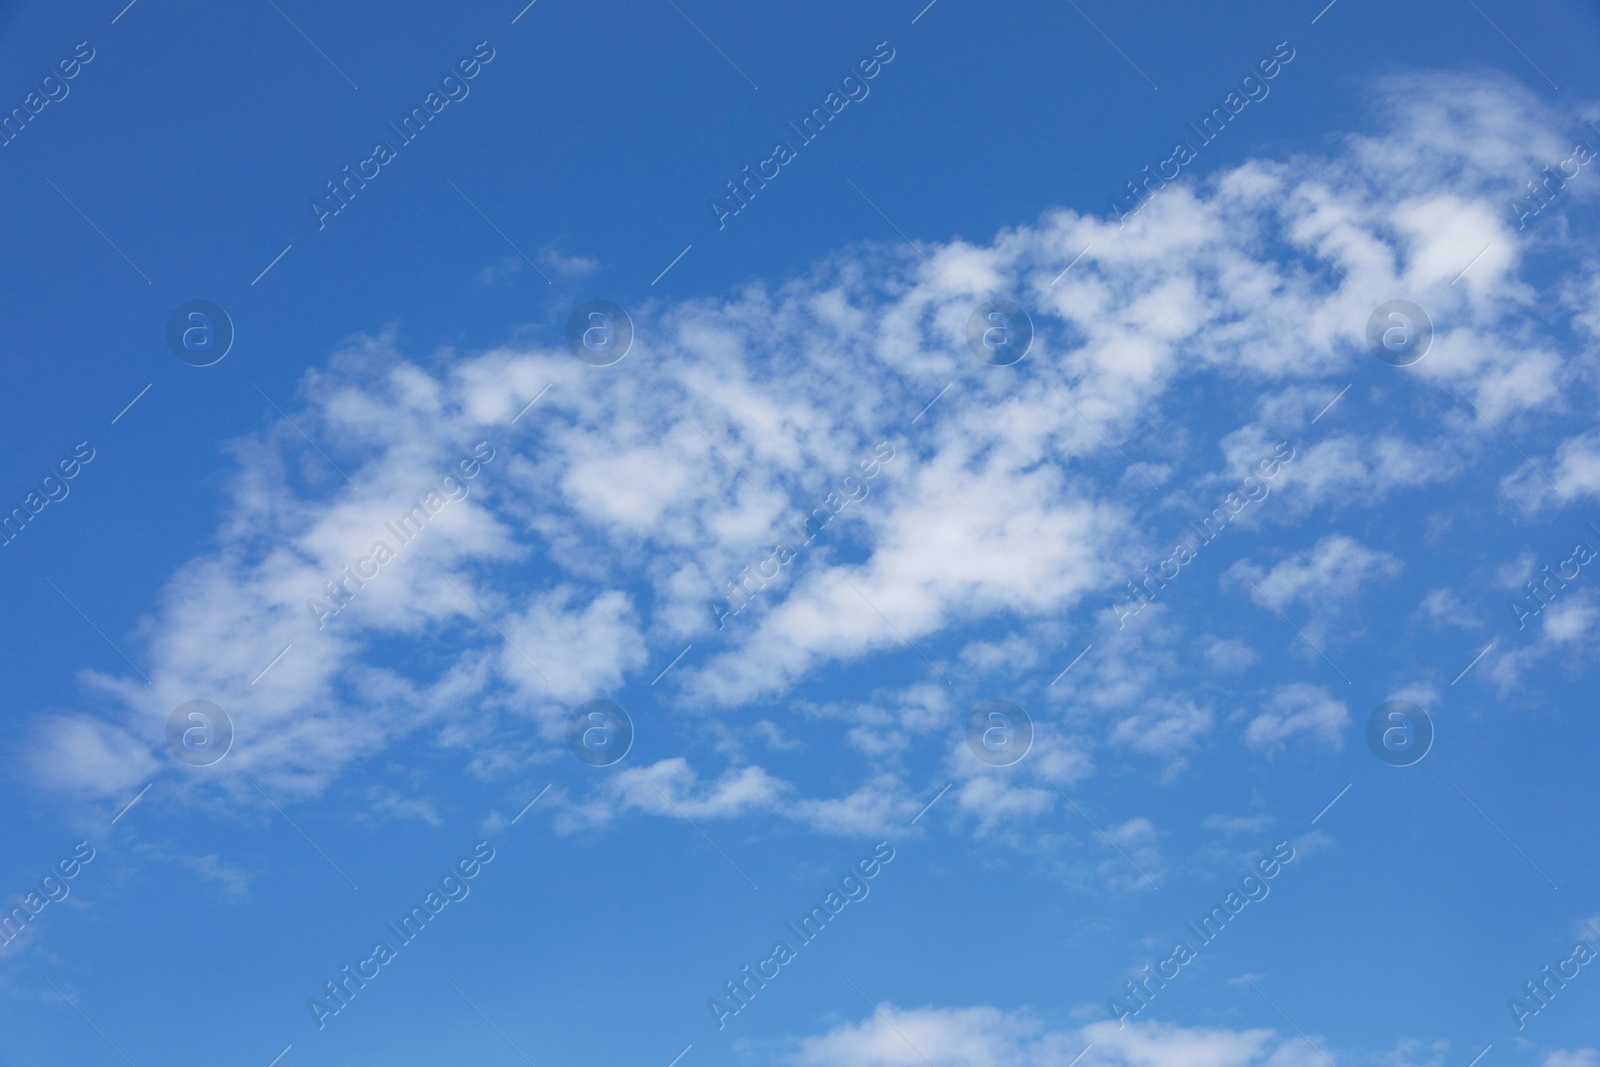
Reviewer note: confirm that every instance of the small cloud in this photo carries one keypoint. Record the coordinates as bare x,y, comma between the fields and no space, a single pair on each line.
1443,608
1335,568
1413,1053
552,263
386,803
771,735
1237,824
573,267
875,808
1569,621
1299,710
507,267
1013,654
1229,655
1580,1057
1513,573
234,880
1164,728
90,757
672,788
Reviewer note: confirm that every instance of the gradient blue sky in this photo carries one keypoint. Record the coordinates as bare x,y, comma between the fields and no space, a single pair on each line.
1176,352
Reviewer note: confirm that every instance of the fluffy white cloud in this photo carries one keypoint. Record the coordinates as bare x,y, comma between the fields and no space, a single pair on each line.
92,757
1559,637
671,787
1299,711
573,652
586,548
989,1037
879,807
1320,582
1581,1057
1335,568
1442,607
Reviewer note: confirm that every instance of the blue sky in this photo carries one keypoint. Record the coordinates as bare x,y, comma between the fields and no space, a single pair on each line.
575,529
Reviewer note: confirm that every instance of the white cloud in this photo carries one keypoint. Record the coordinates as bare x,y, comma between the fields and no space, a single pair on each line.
1164,727
1582,1057
1366,468
992,798
571,652
1410,1052
671,787
1576,470
1320,582
988,1037
551,262
1442,607
234,881
1335,568
879,807
1237,824
1229,655
1561,638
615,509
388,803
1571,619
90,757
1295,711
981,1037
